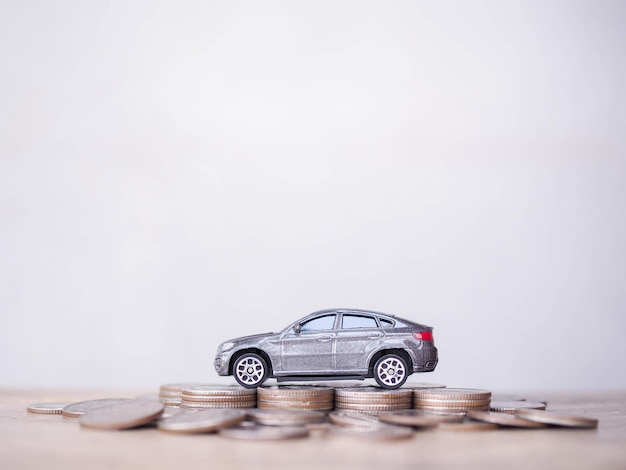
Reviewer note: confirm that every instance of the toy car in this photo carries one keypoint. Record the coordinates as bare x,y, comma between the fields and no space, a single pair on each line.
332,344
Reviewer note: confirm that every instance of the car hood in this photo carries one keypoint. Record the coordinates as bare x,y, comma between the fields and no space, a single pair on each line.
250,338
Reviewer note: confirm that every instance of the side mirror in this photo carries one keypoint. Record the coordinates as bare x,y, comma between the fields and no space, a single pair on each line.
297,328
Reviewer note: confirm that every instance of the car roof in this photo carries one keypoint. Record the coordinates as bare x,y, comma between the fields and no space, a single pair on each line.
358,310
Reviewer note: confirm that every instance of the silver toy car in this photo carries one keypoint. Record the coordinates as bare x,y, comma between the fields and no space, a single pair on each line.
332,344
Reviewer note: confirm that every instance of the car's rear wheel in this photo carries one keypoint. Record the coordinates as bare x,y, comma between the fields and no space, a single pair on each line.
250,370
390,371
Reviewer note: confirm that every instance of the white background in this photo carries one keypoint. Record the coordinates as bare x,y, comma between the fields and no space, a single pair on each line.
174,174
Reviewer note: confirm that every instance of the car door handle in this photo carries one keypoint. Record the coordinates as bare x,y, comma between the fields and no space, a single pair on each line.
323,339
375,336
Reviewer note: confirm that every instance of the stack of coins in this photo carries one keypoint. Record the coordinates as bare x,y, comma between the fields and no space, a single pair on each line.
296,397
372,399
217,396
171,394
454,400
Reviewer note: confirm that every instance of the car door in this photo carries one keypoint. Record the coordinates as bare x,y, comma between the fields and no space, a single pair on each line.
310,351
357,336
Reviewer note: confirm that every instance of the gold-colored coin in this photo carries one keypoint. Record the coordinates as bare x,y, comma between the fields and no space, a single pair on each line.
275,391
373,392
294,405
218,391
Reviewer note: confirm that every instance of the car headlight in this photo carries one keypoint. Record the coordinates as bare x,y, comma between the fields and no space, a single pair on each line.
226,346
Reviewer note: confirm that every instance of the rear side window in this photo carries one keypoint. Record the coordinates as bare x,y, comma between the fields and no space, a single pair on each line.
358,321
385,323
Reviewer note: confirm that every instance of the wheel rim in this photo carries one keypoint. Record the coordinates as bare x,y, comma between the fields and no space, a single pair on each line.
250,370
391,371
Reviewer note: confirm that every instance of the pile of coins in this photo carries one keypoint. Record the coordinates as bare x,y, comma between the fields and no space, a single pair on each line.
290,411
372,399
216,396
295,397
452,400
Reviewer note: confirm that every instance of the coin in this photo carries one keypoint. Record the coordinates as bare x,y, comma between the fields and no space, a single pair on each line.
382,433
421,386
126,415
294,405
75,410
218,391
202,421
276,417
265,433
418,418
374,399
354,418
374,408
558,418
47,408
452,394
466,426
217,399
203,405
373,392
451,403
453,409
513,406
294,390
503,419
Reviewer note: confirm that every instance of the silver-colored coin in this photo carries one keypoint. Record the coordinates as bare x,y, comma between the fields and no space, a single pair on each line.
417,418
273,417
130,414
47,408
202,421
381,433
451,403
218,391
201,405
294,391
354,418
75,410
452,394
374,408
364,392
514,406
466,426
557,418
503,419
375,400
422,385
217,399
451,409
316,406
265,433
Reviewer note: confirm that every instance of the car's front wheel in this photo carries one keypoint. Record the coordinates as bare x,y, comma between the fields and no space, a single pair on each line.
250,370
390,371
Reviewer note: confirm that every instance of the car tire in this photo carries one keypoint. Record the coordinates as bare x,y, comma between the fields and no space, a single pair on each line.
250,370
391,371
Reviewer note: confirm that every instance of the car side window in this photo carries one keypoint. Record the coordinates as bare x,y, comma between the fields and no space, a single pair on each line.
320,323
385,323
358,321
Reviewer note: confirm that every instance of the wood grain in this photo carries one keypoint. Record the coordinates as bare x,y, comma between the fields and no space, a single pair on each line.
48,442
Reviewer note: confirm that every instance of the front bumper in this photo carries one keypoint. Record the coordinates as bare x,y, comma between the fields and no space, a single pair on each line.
221,363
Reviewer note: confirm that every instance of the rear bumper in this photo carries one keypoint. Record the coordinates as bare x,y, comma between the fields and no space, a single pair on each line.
426,359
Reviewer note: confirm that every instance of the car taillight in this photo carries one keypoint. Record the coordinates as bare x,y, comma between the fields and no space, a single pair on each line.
423,336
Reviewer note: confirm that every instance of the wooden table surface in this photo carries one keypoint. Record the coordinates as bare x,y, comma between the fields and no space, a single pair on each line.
49,442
